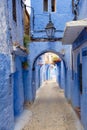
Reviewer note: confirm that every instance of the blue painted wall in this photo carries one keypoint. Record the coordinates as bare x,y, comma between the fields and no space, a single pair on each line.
79,99
62,14
80,45
18,88
82,9
84,91
59,72
37,76
40,48
62,74
17,28
6,88
10,32
47,72
6,94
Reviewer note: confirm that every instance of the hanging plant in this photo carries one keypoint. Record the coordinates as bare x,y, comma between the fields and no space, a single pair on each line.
26,41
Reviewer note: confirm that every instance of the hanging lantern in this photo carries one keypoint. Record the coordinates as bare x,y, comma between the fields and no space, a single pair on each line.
50,29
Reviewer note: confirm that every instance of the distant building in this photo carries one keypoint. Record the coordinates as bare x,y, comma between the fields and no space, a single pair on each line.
50,57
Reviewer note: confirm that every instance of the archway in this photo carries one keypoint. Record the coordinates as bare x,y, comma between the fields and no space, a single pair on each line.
63,79
36,49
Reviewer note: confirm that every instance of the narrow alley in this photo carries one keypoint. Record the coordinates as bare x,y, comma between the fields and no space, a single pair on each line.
51,111
43,44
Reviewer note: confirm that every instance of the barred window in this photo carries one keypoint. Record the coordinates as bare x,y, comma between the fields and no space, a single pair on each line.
14,10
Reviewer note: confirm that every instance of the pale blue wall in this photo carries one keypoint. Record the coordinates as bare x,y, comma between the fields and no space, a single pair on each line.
47,71
59,18
37,76
17,33
9,29
18,88
40,48
84,94
6,88
6,94
82,9
59,71
63,75
62,14
17,30
78,99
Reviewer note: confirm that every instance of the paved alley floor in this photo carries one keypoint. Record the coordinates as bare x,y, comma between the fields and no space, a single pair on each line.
51,111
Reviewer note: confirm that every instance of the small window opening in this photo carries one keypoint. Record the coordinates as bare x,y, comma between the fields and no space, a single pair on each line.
53,5
45,8
14,10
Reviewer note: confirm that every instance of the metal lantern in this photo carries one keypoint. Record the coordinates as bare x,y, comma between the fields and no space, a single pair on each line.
50,29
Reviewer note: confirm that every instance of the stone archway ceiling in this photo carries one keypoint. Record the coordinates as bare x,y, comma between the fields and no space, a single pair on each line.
73,30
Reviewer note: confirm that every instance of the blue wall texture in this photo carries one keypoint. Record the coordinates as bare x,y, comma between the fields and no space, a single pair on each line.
20,85
11,81
6,94
59,17
62,14
40,48
6,88
79,76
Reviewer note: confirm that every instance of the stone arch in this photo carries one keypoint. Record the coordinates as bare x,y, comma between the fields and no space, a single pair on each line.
33,68
37,49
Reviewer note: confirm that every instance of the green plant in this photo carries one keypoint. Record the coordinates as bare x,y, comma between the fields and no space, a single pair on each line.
26,40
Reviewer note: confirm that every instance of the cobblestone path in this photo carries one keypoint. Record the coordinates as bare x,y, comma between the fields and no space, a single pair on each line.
51,111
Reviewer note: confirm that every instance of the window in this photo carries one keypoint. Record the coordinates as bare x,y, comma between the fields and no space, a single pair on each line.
53,5
14,10
45,8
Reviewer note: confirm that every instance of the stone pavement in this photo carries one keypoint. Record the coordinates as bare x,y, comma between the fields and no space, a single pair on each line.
51,111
